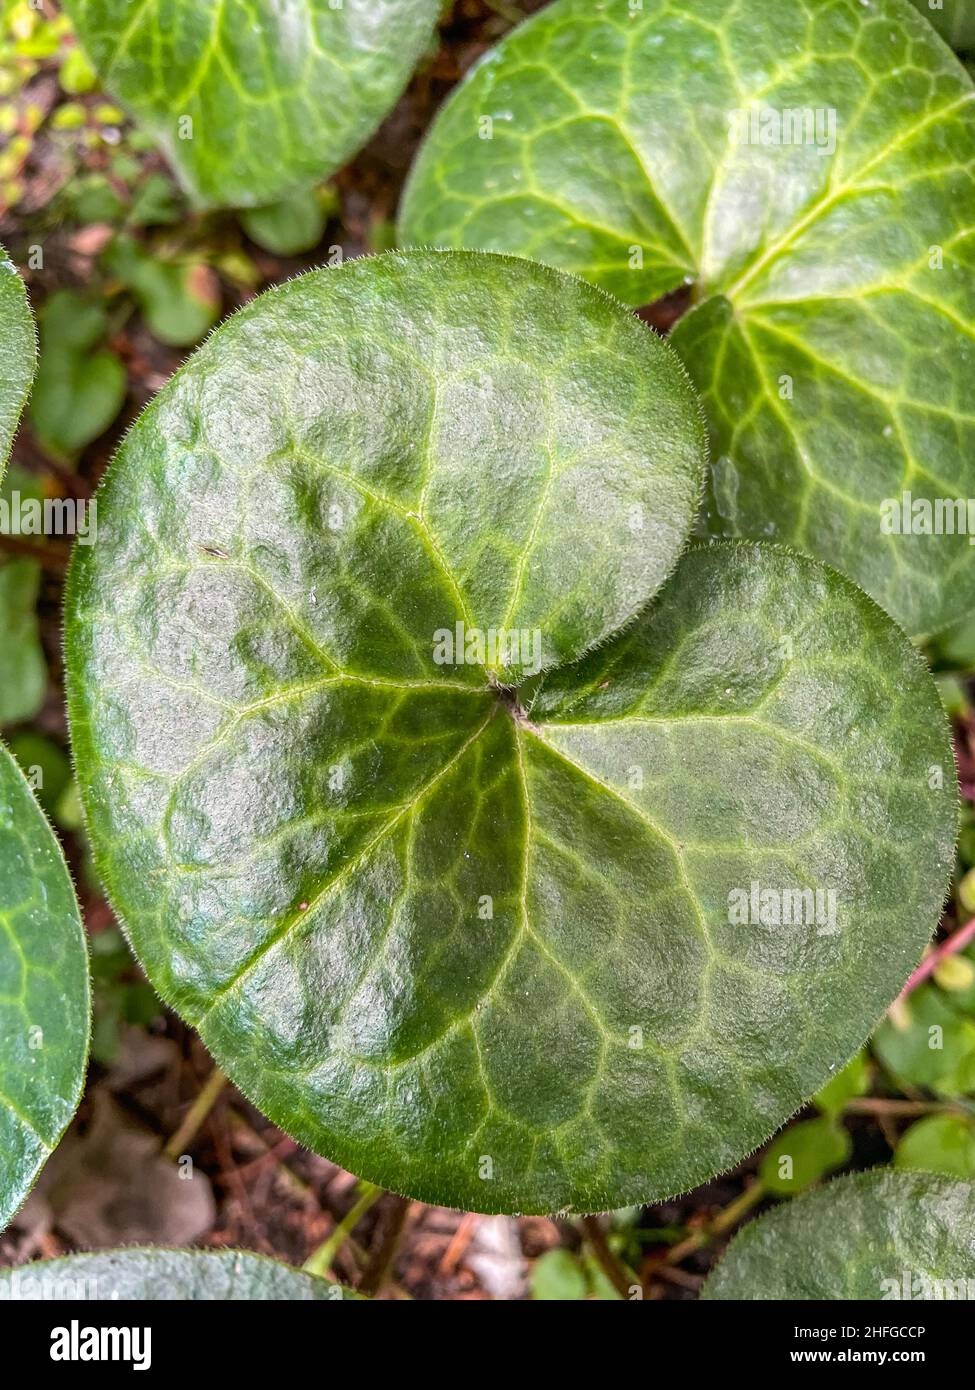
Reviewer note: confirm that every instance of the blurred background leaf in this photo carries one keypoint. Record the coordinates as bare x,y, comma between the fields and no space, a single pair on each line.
294,225
180,299
802,1154
80,385
23,668
939,1144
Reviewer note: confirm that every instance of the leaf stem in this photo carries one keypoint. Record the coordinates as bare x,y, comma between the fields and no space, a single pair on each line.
612,1267
195,1116
726,1218
878,1105
507,11
956,942
381,1263
320,1261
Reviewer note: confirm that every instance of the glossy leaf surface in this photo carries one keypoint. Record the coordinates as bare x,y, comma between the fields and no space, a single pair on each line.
808,168
475,946
250,99
44,1003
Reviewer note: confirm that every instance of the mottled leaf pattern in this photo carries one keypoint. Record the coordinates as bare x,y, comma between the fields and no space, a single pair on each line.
43,990
833,333
878,1235
250,99
472,946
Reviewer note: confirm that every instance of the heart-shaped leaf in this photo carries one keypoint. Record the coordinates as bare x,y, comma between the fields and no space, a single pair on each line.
872,1236
479,952
18,353
808,168
44,1003
250,99
166,1276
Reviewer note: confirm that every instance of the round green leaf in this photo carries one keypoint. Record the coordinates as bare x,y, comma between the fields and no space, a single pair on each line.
294,225
872,1236
18,353
939,1144
832,333
402,445
250,99
167,1276
474,945
44,1001
953,19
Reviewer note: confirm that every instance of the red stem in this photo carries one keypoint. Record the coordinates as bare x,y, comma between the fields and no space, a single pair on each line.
955,943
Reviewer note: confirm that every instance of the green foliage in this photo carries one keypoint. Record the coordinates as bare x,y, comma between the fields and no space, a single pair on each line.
803,1154
832,279
953,19
859,1237
165,1276
77,76
966,892
44,1000
178,298
119,997
46,767
563,1276
23,668
852,1081
18,352
954,649
156,202
250,100
294,225
929,1041
80,386
939,1144
476,946
558,1275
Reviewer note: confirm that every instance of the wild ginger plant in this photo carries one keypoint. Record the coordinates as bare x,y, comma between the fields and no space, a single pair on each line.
513,831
